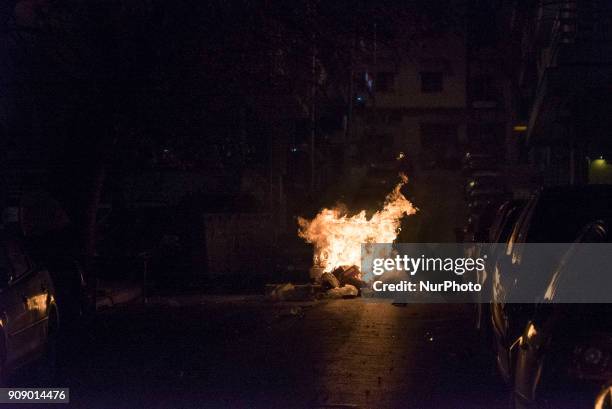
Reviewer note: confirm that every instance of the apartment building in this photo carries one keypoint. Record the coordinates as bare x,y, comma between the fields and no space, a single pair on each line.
410,103
563,51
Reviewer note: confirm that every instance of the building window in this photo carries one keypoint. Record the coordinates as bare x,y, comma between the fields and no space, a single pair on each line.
431,82
385,82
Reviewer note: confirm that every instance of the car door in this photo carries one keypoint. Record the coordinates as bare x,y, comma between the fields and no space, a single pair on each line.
13,309
507,264
23,334
39,287
505,271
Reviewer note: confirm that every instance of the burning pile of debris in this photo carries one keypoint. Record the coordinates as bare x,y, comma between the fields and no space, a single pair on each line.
337,239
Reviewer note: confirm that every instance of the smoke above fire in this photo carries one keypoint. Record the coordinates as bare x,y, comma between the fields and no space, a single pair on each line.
337,237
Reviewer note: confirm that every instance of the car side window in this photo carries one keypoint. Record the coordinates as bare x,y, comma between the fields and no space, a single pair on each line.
526,222
18,261
506,227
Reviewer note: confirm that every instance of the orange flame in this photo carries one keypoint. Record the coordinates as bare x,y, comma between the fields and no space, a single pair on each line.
337,237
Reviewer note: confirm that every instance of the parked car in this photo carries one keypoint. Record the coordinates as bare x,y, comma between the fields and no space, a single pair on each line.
552,215
29,318
51,242
568,347
54,252
497,236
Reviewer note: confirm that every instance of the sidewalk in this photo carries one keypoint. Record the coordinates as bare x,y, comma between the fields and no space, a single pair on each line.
113,293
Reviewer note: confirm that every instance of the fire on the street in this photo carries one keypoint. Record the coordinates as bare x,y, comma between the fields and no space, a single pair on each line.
337,237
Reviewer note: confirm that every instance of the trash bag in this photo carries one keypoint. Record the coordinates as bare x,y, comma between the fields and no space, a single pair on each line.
348,291
280,292
349,275
290,292
329,281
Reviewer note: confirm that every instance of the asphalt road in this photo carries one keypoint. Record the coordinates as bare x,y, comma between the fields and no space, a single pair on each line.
235,353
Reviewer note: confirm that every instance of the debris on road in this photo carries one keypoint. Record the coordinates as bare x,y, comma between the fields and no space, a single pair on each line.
291,292
343,282
292,312
349,275
348,291
278,292
329,281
